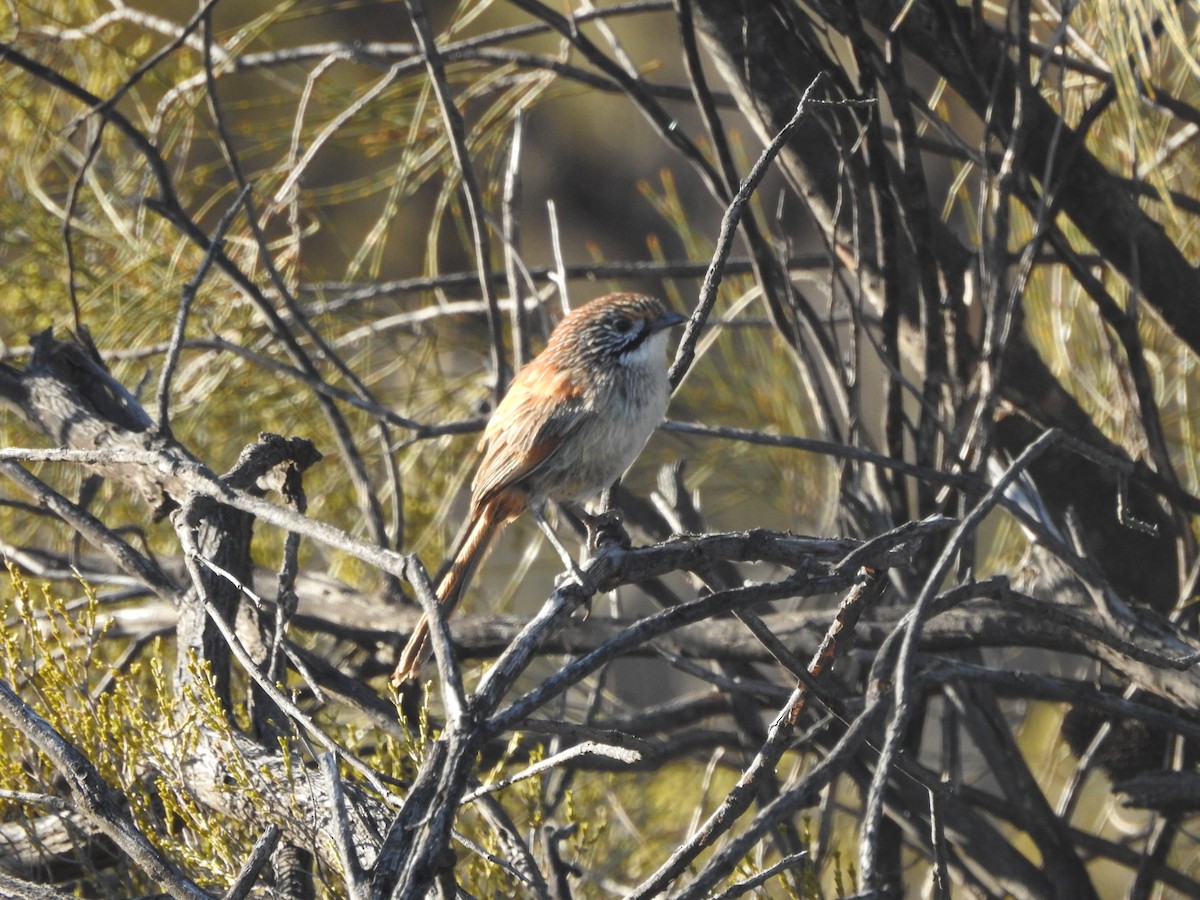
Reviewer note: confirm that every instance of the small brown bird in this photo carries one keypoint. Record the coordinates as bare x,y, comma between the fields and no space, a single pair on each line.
573,420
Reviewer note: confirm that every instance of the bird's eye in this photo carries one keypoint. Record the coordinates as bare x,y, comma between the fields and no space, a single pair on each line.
622,325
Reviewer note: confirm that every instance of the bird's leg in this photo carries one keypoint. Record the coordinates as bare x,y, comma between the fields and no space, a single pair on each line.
539,516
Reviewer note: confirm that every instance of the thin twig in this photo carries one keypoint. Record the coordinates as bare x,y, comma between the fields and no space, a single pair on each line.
352,869
522,352
457,135
792,861
175,345
260,855
587,748
733,213
449,673
93,530
903,675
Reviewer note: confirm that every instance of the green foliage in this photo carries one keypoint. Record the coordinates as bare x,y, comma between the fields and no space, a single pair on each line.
123,715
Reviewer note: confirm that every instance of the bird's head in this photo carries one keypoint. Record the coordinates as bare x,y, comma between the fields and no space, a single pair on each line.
620,329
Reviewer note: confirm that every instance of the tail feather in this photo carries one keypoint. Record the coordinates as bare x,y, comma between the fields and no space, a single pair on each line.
473,545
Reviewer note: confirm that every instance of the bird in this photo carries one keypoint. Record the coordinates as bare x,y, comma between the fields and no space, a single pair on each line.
573,420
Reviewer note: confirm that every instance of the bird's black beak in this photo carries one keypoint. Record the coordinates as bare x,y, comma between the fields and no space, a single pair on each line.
667,320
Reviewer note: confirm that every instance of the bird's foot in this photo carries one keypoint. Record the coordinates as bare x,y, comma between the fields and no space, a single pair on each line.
573,575
605,528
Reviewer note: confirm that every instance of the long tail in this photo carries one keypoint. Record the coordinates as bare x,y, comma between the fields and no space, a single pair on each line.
473,545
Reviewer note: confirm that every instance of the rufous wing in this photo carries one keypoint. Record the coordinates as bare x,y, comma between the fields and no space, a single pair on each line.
542,408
